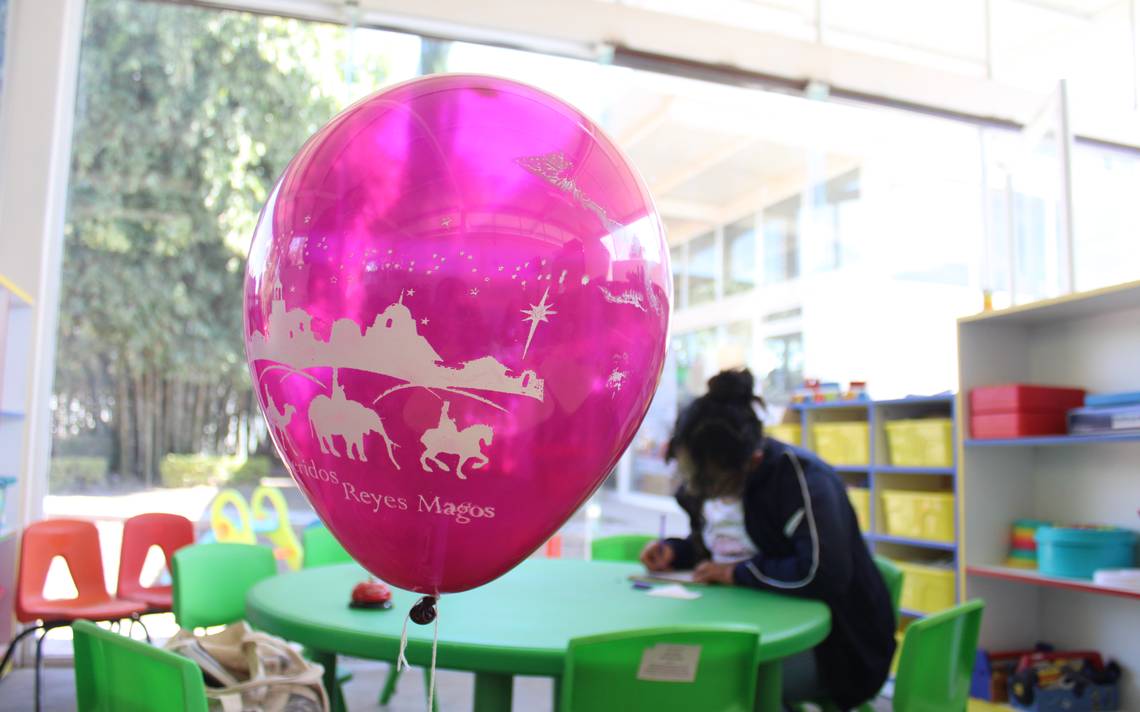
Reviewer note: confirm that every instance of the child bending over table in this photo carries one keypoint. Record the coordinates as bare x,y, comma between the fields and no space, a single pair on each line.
769,515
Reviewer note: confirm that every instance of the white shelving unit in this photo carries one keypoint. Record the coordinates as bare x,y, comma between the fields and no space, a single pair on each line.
1089,340
15,343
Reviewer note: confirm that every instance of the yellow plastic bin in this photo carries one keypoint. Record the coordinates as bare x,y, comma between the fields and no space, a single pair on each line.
790,433
844,443
926,589
928,442
919,515
861,502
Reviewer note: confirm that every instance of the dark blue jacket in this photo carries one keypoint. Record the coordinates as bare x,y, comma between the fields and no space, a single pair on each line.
855,658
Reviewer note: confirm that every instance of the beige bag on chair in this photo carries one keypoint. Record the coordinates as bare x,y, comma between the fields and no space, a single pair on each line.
247,671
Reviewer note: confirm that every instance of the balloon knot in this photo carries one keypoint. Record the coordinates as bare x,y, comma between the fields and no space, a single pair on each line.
424,610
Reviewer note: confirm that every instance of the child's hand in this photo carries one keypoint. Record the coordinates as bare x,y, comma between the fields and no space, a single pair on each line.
657,556
708,572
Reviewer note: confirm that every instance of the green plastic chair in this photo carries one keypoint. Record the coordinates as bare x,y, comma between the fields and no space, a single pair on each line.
893,577
211,580
937,660
622,547
601,672
321,548
116,674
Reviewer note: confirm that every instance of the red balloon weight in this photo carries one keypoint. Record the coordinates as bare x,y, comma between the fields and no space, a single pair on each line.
457,303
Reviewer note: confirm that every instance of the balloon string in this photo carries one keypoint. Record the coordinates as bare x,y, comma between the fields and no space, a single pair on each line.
401,660
431,677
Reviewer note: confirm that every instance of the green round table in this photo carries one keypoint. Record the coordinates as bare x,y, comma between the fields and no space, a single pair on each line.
521,623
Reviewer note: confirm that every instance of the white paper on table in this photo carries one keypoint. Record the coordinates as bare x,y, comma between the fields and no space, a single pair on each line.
667,662
685,576
675,590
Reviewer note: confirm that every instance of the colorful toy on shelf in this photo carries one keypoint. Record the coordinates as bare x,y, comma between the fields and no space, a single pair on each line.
993,670
275,525
856,390
815,391
1077,681
1023,543
242,525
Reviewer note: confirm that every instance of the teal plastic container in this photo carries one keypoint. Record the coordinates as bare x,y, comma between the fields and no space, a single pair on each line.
1077,553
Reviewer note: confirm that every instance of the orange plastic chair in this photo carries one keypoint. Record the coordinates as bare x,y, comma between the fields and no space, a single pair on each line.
169,532
78,543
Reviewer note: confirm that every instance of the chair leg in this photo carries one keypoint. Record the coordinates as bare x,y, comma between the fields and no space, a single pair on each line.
15,643
137,618
389,688
39,669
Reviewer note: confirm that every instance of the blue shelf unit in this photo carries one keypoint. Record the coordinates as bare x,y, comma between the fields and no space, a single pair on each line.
1058,440
879,474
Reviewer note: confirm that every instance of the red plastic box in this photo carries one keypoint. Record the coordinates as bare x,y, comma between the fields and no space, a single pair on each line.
1016,425
1023,398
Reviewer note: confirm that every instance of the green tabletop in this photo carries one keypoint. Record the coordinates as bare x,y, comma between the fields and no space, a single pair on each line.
522,622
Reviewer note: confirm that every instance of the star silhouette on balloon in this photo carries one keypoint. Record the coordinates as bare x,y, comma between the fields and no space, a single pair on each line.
535,315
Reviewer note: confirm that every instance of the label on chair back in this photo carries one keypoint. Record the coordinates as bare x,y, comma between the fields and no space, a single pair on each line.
669,663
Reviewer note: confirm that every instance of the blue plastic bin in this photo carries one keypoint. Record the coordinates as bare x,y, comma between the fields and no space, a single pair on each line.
1077,553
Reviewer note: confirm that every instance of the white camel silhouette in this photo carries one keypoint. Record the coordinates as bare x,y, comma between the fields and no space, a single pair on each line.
446,438
279,421
349,419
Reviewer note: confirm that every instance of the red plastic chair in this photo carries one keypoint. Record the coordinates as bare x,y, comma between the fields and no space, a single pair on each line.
78,543
170,533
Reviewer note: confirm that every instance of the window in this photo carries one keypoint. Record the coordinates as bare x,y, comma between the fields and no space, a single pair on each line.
696,354
702,269
781,241
823,221
680,269
785,362
838,219
740,256
184,118
1105,185
736,346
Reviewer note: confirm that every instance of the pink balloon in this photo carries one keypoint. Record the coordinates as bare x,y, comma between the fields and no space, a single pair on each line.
457,302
